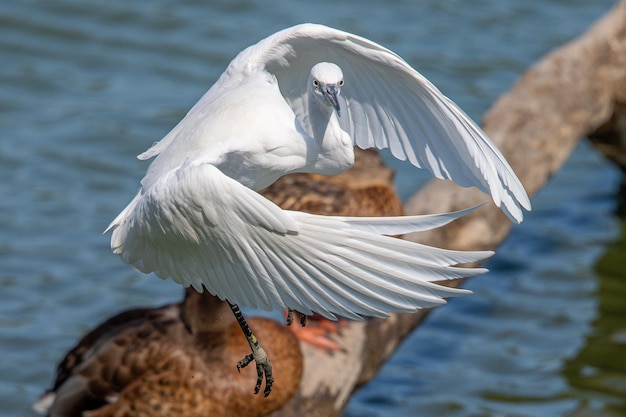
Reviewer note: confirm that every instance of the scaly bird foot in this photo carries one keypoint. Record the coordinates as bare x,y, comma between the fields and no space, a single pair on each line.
290,314
317,334
263,365
263,368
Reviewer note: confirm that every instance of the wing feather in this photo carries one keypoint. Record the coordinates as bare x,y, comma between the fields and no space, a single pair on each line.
204,229
388,104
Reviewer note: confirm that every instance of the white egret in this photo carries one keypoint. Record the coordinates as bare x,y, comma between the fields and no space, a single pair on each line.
280,107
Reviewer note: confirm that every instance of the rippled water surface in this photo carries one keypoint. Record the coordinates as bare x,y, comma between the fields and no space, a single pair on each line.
85,86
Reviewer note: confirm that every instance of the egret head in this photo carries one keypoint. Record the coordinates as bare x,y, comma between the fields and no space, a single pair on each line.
325,82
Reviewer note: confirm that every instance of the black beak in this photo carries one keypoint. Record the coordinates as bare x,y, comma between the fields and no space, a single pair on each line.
331,93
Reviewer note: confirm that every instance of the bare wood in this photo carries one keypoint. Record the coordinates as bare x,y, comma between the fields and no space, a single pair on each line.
569,94
564,97
576,91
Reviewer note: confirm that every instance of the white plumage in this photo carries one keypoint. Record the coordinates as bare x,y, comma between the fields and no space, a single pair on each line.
281,106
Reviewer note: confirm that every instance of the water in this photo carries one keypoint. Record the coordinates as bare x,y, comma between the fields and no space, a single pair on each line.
86,86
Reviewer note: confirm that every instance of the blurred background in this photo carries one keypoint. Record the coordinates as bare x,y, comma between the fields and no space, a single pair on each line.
86,86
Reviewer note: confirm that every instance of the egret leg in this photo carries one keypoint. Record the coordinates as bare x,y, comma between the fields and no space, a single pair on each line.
290,314
263,365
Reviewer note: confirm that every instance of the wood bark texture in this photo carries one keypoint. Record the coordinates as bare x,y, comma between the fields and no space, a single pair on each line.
576,91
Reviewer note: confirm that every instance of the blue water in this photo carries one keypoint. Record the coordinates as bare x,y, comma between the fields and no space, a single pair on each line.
86,86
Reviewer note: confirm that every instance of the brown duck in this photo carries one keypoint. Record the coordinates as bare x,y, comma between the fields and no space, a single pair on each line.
178,360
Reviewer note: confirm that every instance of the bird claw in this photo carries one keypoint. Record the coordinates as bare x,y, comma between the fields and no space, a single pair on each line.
263,369
290,315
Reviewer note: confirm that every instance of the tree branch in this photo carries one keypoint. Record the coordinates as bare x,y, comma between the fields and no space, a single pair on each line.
571,93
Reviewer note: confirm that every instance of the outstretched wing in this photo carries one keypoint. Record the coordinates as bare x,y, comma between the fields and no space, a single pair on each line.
245,249
388,104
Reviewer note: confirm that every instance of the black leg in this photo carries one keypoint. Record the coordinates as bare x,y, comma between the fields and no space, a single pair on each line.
290,314
263,365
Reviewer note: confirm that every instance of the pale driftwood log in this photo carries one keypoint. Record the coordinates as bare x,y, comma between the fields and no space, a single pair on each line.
575,91
579,90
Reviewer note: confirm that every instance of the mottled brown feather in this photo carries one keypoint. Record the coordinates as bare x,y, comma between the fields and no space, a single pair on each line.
179,359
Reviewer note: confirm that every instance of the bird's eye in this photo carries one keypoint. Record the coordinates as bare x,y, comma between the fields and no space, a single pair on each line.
341,83
316,83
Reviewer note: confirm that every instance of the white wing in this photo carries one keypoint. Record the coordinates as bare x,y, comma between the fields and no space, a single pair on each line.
388,104
243,248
